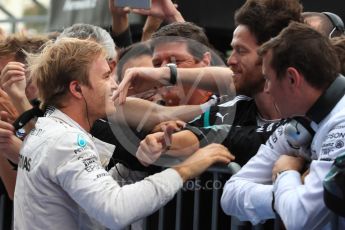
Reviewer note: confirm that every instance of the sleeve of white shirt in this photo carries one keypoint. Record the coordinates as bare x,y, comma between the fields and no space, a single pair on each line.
248,194
81,175
301,206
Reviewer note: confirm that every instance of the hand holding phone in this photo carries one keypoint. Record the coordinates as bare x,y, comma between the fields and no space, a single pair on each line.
163,9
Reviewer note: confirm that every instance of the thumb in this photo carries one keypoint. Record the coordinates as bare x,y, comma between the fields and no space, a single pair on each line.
4,116
141,11
168,132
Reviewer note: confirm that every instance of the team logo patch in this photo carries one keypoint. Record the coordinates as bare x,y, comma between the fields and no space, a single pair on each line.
81,141
339,144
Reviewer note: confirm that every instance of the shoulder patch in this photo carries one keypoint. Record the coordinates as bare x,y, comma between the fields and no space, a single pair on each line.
81,141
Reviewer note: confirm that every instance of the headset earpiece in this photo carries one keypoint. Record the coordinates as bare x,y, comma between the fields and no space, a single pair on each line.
298,133
77,88
336,21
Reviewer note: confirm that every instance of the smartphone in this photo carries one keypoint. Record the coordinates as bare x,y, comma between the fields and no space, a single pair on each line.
135,4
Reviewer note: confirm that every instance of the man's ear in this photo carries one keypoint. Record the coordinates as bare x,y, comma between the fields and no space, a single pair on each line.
75,90
294,77
112,65
206,58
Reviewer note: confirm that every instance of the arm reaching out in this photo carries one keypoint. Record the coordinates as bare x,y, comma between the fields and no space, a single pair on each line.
119,18
215,79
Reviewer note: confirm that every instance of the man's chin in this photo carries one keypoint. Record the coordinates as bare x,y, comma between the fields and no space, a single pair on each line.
240,90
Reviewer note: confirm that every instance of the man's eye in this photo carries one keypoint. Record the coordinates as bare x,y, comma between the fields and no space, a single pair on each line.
241,50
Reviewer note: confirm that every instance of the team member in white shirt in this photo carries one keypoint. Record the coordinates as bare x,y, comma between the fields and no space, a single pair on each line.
301,72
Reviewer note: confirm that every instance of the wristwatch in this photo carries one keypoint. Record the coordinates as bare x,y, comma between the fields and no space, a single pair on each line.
173,73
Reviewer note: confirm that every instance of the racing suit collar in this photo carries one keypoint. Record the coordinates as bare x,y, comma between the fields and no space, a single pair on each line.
105,150
327,101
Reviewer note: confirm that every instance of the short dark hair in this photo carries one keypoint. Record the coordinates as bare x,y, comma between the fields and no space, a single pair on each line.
266,18
133,51
20,44
187,32
305,49
339,46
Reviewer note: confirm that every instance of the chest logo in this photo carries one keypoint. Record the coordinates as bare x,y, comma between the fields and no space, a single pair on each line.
81,141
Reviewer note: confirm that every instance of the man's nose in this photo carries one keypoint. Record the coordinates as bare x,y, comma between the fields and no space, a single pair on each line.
231,60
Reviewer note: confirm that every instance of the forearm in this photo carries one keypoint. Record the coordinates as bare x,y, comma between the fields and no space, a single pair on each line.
215,79
177,17
12,153
248,193
144,115
247,201
119,24
151,25
105,200
183,144
8,176
22,104
291,195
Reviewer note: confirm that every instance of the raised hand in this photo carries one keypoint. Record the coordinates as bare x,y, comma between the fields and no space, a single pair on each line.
13,80
119,16
133,76
163,9
154,145
202,159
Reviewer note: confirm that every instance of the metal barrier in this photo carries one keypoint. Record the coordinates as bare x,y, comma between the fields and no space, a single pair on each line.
190,213
196,205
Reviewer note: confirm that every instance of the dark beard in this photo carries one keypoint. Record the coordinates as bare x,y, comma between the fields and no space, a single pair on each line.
250,90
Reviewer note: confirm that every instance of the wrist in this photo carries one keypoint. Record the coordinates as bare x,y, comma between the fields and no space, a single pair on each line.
177,17
173,73
182,172
208,104
121,25
22,105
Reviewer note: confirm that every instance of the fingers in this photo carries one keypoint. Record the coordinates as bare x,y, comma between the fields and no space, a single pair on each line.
180,124
155,142
4,116
177,126
6,128
122,90
126,9
218,151
141,11
13,79
168,131
150,148
222,160
123,94
12,68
